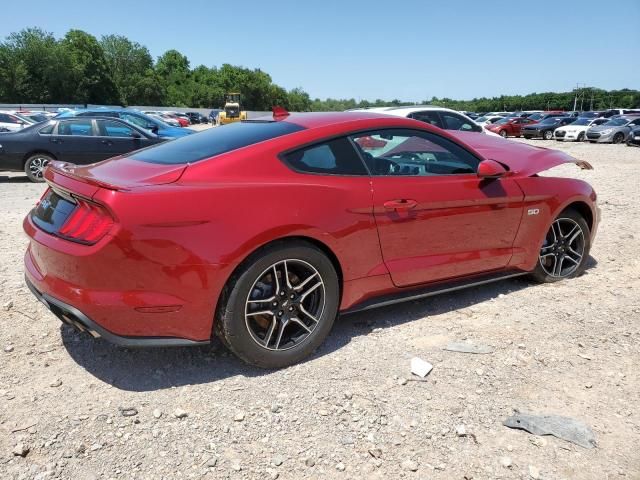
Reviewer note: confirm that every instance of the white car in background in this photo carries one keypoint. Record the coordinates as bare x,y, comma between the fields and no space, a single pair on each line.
488,119
440,117
576,131
13,121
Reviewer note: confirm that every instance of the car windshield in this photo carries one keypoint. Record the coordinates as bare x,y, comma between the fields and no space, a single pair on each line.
482,119
616,122
549,121
536,116
502,121
214,141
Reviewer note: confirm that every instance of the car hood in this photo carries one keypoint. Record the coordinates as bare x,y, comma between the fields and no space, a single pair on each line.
521,159
600,128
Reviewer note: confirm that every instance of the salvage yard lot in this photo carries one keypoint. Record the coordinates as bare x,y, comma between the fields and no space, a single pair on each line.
570,349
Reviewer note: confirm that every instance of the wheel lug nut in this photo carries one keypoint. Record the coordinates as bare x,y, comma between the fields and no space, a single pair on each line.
291,309
292,296
282,294
280,313
275,304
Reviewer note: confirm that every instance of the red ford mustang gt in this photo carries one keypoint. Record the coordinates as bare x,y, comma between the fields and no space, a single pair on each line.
261,232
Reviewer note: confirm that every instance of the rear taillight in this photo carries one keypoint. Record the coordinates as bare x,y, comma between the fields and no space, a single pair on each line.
88,223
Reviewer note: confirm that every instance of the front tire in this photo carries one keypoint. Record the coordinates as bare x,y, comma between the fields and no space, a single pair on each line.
618,138
565,249
548,135
503,133
280,305
580,137
35,165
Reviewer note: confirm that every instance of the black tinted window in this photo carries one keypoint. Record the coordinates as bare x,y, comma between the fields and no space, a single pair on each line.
432,118
214,141
456,122
79,127
336,157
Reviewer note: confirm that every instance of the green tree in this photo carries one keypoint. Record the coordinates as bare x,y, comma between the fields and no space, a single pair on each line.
90,79
173,68
131,68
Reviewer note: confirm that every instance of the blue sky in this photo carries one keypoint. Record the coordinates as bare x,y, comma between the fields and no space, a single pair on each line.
409,50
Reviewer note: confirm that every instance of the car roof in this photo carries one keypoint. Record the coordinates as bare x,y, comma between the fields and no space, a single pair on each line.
323,119
403,111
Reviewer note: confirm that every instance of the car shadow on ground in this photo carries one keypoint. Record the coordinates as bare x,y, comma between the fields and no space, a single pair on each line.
152,369
22,179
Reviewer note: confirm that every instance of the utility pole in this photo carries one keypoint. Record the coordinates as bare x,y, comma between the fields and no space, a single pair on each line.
575,98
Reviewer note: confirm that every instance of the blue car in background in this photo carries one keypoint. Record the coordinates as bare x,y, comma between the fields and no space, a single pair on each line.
132,116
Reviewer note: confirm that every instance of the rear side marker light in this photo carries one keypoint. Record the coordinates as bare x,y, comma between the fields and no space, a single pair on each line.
88,223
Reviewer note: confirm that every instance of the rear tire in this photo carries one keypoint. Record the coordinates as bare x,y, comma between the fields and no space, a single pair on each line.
35,165
565,249
297,288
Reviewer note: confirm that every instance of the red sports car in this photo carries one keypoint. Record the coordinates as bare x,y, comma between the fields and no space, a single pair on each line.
261,232
510,127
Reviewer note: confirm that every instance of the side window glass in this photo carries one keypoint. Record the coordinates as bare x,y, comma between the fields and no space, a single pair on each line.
109,128
4,118
335,157
432,118
46,130
413,153
141,122
77,127
454,122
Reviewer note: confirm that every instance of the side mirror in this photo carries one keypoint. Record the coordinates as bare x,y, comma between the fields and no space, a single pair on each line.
154,129
491,169
135,135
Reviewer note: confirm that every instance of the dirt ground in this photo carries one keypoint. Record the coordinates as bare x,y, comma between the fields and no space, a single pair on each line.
571,349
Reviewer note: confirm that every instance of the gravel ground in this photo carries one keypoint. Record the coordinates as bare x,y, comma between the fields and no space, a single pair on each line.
73,407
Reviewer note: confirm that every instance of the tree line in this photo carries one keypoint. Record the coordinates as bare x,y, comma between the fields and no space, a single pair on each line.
35,67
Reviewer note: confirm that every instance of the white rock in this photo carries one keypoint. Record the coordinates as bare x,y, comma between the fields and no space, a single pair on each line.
419,367
180,413
506,462
239,417
157,413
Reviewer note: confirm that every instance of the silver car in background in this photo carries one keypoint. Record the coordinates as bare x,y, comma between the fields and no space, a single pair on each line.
615,130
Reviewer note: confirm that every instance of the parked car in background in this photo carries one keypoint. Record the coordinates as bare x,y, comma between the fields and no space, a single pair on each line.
539,116
440,117
544,129
135,117
213,115
592,114
509,127
576,131
616,130
633,139
166,119
487,120
80,140
197,117
183,118
620,111
12,122
163,253
36,117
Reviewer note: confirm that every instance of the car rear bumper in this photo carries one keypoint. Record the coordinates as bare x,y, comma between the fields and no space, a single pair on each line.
134,295
72,316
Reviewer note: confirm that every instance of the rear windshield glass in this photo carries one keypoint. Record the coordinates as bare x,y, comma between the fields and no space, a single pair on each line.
214,141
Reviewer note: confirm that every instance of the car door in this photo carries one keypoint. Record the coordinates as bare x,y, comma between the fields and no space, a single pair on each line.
436,219
74,141
118,138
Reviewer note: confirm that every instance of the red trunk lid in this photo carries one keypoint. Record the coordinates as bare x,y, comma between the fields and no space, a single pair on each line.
120,173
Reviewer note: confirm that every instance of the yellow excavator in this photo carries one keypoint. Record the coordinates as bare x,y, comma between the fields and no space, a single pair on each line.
232,110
